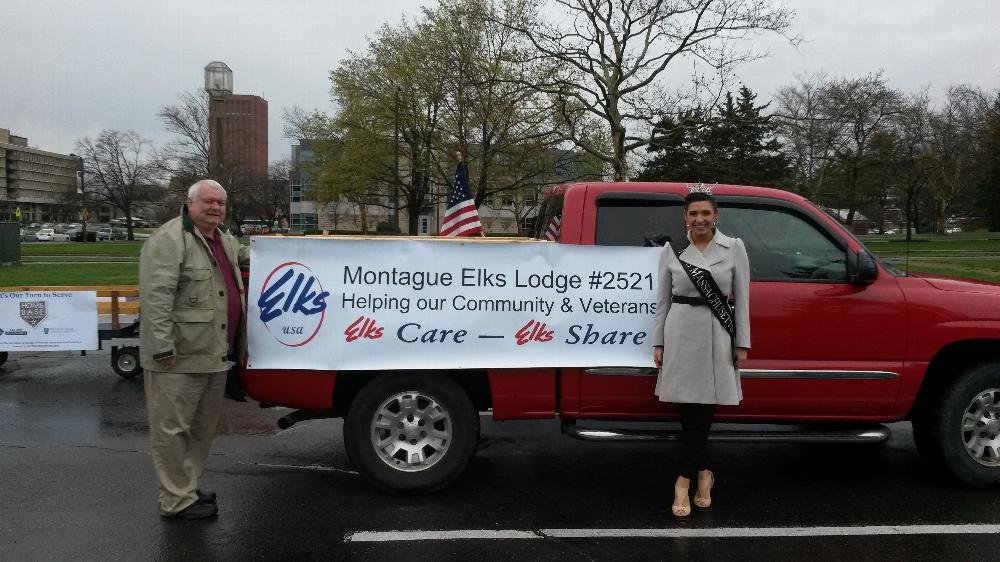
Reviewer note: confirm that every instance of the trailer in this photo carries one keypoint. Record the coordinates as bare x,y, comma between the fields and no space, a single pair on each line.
120,308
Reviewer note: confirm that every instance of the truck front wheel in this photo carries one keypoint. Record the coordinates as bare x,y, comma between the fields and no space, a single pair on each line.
411,433
962,431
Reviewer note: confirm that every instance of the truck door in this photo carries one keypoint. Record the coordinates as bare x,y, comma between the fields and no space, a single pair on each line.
823,348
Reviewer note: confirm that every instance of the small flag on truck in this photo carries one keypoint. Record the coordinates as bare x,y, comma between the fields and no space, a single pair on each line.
553,229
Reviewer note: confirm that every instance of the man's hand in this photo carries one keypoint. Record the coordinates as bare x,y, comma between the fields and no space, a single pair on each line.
658,357
168,362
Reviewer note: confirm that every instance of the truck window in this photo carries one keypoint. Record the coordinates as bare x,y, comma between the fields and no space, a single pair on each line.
639,222
784,246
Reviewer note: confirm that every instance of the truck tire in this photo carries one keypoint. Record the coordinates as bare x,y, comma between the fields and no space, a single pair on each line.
411,434
3,358
961,433
125,362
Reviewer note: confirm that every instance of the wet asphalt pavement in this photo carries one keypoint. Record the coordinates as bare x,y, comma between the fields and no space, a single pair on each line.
76,483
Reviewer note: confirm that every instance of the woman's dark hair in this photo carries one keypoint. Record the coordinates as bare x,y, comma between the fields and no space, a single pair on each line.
696,196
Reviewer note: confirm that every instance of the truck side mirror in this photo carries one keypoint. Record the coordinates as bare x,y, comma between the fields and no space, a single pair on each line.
861,268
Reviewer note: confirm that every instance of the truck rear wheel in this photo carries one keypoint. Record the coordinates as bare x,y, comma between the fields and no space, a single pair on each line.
411,433
3,357
961,433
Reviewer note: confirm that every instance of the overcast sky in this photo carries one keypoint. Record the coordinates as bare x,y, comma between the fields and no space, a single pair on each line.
74,67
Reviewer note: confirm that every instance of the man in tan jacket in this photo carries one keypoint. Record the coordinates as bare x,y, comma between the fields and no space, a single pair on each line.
191,333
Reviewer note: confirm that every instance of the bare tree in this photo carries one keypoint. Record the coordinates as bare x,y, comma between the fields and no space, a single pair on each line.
805,132
610,57
271,202
120,170
185,158
910,165
856,111
831,125
955,149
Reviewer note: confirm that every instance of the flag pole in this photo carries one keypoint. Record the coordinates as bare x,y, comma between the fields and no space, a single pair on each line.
458,154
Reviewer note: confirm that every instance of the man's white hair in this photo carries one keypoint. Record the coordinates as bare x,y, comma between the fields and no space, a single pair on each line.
194,189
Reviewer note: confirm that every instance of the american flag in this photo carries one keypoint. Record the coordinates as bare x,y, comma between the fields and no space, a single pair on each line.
462,217
553,229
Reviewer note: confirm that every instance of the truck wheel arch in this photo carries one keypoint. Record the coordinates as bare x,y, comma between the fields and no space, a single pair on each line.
948,364
348,384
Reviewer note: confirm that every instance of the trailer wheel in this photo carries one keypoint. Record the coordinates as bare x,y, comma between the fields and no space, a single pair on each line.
411,434
961,433
3,358
125,362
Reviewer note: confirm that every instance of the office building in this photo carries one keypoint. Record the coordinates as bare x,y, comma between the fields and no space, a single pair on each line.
42,184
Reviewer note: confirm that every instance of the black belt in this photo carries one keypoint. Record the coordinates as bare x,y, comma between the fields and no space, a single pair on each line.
693,301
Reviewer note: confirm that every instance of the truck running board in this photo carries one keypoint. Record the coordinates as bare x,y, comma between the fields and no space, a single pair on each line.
779,434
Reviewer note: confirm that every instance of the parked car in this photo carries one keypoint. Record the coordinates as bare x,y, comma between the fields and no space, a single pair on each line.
50,235
108,233
28,235
76,235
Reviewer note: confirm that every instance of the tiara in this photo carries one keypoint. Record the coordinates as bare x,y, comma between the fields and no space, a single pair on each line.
700,188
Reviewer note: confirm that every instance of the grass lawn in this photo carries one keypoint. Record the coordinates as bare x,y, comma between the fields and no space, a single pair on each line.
120,249
984,268
970,255
932,246
70,274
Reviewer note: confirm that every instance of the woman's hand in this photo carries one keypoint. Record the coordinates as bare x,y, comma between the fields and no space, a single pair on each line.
741,355
658,357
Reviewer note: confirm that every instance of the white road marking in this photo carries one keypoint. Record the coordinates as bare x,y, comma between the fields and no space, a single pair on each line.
316,467
722,532
400,536
727,532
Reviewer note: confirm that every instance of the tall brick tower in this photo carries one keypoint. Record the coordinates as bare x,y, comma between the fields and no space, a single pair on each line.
238,131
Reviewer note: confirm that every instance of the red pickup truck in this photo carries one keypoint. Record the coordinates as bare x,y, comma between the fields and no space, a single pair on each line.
842,343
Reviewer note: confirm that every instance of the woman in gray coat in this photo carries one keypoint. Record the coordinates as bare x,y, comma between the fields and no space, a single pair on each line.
697,356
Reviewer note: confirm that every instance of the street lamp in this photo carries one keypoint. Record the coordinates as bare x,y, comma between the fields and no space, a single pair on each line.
394,217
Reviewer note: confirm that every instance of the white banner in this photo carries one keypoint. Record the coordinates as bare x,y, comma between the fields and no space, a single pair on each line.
317,303
48,321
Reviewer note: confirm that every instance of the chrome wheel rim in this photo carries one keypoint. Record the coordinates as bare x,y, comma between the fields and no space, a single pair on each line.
411,431
126,362
981,428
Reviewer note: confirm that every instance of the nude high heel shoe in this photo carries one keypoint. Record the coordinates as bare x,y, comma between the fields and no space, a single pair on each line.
681,512
704,503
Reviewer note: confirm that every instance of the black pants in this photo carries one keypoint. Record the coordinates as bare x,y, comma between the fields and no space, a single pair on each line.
696,421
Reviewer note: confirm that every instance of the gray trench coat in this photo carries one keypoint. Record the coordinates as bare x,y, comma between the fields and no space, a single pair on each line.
697,351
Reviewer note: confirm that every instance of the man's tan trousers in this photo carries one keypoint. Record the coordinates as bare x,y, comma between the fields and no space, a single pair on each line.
183,412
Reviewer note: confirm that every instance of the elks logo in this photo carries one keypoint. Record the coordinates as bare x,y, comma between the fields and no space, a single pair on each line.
292,304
